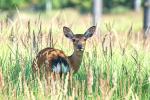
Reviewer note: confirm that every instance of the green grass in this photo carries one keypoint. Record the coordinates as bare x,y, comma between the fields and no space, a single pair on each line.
119,71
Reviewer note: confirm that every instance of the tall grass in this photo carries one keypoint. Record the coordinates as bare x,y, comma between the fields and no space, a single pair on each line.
114,66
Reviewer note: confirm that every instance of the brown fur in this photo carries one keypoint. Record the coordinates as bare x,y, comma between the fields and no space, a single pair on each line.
47,54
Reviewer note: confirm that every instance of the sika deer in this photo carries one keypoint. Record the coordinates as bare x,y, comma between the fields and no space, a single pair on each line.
56,61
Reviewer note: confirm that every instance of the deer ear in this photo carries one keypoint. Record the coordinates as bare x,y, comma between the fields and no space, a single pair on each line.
90,32
68,33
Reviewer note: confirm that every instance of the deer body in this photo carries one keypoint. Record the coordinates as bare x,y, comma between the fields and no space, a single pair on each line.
56,61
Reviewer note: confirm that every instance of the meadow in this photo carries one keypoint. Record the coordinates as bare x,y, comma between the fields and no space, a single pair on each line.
115,65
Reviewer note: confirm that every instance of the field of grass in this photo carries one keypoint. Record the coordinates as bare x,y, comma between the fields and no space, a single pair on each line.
115,63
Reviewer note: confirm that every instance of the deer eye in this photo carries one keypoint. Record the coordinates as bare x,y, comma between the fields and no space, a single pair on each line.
84,39
73,40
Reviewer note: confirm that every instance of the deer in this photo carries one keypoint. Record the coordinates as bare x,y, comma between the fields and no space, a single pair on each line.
56,61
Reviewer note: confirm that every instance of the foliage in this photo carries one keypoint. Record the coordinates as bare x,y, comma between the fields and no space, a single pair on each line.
8,4
82,5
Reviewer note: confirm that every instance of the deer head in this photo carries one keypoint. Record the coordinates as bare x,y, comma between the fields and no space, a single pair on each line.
79,40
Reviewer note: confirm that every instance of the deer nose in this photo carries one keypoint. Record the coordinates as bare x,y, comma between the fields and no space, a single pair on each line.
80,46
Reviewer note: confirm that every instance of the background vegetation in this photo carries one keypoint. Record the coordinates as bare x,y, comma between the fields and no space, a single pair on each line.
82,5
115,65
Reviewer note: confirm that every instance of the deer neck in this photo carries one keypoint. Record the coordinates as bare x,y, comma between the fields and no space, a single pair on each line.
75,60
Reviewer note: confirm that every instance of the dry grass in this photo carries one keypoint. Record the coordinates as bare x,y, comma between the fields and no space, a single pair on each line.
115,63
